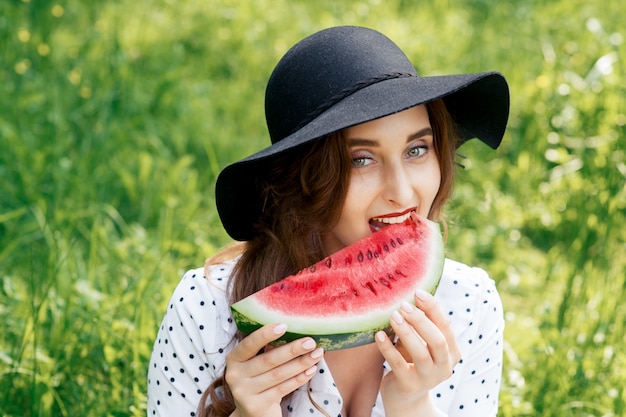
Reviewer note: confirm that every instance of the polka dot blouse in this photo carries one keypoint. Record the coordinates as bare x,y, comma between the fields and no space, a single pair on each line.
197,332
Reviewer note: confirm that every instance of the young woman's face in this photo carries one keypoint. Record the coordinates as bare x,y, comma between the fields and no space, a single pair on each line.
395,171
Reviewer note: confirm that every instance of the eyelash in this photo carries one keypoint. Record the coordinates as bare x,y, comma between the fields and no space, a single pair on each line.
359,161
422,147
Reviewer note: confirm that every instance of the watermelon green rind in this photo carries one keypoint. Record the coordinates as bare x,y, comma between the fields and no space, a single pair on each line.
329,342
334,327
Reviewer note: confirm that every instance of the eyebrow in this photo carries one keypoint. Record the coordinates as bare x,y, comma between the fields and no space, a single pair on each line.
427,131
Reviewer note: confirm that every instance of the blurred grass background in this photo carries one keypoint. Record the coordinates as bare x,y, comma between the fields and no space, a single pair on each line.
116,116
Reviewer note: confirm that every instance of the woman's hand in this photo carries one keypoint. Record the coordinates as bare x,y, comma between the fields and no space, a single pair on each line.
259,382
424,356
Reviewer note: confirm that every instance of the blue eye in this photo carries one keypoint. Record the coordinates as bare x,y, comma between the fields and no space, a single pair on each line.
361,158
417,151
360,162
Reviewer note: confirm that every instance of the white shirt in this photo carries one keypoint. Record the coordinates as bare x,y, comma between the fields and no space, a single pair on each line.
197,332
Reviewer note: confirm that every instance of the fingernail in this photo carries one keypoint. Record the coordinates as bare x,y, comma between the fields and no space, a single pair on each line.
308,344
381,336
311,370
395,316
406,307
317,353
279,329
422,295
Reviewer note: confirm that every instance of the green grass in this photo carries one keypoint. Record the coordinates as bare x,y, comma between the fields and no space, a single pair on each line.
115,118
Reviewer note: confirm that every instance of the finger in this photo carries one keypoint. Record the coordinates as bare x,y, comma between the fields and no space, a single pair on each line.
271,368
280,355
427,303
275,369
393,357
427,335
403,351
253,401
255,341
412,342
278,392
296,368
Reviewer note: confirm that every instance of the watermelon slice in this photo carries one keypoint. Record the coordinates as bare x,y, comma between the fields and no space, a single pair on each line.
344,299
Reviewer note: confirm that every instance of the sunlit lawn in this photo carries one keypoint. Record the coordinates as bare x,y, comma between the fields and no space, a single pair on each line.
115,118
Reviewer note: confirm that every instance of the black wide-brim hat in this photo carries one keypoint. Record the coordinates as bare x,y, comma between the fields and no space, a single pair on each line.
341,77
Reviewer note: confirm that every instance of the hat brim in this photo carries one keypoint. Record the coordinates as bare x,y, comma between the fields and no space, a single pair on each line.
479,104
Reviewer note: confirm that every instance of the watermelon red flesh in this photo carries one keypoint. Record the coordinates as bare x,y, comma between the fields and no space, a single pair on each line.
345,298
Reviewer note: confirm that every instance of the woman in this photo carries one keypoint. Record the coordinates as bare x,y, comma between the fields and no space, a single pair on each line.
359,141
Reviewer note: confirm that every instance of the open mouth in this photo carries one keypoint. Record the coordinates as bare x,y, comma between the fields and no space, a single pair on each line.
377,223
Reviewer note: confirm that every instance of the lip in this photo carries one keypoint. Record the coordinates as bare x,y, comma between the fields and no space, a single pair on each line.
378,222
390,215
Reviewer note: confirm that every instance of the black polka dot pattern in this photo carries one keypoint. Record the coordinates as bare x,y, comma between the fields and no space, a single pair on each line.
192,342
197,331
478,323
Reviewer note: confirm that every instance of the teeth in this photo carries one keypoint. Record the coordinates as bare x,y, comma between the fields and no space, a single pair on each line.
392,220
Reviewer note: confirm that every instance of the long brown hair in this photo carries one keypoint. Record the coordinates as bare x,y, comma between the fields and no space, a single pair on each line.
304,196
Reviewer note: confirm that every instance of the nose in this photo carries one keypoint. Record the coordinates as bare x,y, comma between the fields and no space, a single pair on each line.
398,186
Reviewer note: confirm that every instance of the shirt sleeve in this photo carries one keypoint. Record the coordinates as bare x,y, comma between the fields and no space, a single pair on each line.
478,320
190,348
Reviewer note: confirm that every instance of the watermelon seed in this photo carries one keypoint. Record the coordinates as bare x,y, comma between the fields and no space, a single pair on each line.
370,287
384,282
400,241
392,243
312,268
328,262
386,248
360,257
369,254
391,277
398,272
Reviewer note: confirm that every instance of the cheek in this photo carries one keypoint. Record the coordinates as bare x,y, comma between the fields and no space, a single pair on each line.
353,204
434,191
358,188
358,199
428,184
437,180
